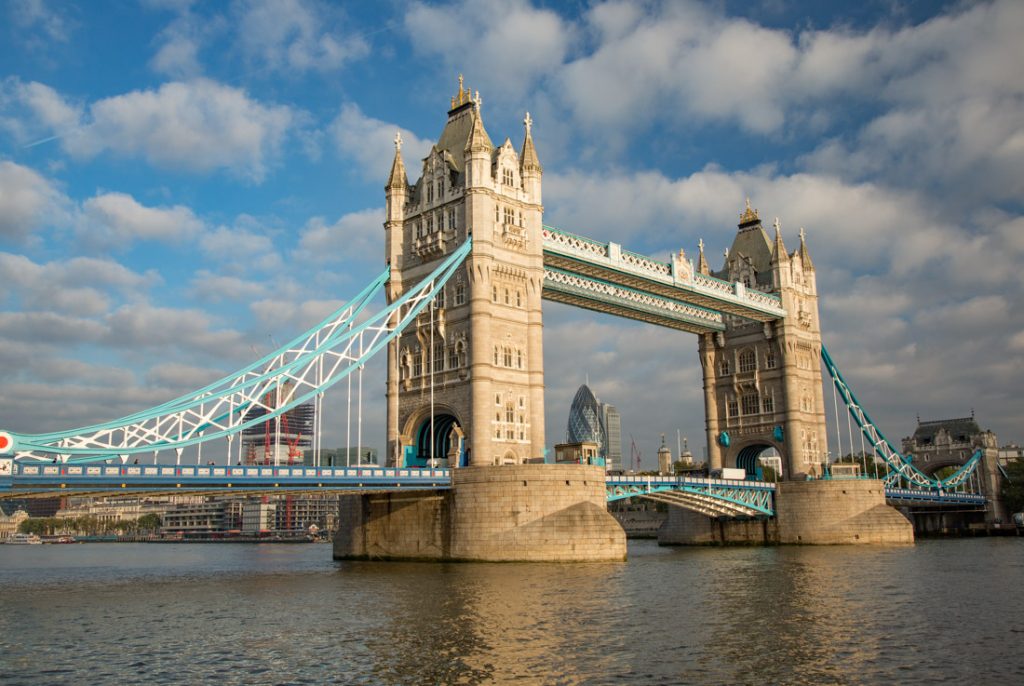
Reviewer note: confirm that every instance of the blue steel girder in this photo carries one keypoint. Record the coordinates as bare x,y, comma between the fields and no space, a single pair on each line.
601,296
676,280
711,497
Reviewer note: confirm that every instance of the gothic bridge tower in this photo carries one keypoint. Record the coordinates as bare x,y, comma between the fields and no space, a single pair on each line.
475,362
762,382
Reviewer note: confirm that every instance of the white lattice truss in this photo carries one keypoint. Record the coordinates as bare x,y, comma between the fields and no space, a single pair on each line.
710,497
603,296
298,372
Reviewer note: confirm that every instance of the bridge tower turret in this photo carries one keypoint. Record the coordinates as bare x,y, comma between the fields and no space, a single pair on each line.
762,381
480,351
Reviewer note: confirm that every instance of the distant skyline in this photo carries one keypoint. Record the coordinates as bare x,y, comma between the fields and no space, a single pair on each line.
183,184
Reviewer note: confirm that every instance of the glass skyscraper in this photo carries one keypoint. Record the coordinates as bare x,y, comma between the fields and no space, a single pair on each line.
592,420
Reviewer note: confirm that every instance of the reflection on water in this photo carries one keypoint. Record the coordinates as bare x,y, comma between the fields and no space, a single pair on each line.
938,612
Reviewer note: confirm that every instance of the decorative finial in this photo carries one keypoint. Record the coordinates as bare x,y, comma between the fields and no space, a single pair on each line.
777,225
478,101
749,215
460,86
801,234
726,253
528,123
398,141
700,244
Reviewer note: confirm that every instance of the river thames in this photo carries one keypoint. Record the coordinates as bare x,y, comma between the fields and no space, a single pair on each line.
938,612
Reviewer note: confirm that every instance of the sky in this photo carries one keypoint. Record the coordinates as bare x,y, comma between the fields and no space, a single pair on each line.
184,186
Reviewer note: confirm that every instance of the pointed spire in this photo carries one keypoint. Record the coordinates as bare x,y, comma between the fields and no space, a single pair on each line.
779,253
528,161
702,263
805,256
397,178
478,140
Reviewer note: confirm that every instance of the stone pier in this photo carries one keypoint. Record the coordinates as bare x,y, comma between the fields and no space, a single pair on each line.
836,512
530,512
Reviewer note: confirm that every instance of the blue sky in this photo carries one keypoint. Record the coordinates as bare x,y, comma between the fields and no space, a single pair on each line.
182,184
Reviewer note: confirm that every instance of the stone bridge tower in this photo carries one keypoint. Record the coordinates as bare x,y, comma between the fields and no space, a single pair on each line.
480,349
762,382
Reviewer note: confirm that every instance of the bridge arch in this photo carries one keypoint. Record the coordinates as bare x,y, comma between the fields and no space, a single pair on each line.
746,457
448,438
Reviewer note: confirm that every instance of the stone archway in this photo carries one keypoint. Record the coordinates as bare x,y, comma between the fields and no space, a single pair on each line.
445,444
747,459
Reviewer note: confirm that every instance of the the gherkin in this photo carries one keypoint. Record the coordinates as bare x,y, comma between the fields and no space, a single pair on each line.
592,420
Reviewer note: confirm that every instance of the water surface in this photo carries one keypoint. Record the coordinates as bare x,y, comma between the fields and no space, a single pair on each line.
937,612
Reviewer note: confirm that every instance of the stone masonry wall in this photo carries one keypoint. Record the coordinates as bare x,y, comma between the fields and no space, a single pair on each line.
533,512
838,512
685,527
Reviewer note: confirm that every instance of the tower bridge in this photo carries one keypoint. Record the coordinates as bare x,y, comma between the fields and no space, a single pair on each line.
468,262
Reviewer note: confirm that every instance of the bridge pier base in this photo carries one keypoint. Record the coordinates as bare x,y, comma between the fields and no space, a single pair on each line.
684,527
532,512
836,512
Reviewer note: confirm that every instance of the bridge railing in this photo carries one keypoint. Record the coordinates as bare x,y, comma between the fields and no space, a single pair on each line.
676,273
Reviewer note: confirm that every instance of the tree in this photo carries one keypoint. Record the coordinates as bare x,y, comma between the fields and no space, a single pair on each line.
149,522
1013,486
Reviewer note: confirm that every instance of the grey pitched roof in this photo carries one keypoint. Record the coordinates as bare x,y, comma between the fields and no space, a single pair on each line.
959,429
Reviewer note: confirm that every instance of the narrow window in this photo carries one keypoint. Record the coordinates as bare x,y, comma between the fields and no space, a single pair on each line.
748,361
725,367
769,359
732,407
750,403
460,293
769,404
519,298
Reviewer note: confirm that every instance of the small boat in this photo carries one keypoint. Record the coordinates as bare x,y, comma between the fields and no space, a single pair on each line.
24,539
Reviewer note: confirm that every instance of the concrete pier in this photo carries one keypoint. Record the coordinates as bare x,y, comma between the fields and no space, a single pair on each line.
532,512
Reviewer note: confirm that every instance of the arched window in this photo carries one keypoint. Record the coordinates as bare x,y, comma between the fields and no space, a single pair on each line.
417,364
508,357
495,354
510,415
748,361
451,218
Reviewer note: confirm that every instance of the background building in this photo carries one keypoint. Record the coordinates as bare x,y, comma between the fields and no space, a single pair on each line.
280,440
592,420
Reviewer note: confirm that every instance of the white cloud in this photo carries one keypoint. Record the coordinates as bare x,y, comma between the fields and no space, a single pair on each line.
211,287
355,234
118,219
28,201
32,15
295,35
512,43
80,285
370,142
197,126
245,245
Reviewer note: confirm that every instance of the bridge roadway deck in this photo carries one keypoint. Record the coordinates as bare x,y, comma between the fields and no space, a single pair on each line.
722,497
607,264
